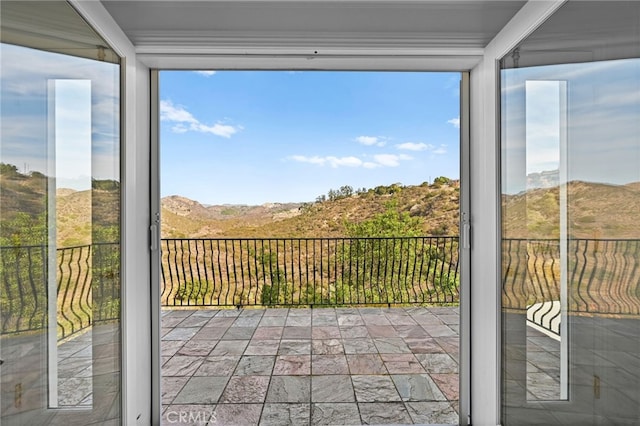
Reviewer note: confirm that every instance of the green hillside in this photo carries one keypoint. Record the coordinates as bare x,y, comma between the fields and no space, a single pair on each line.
596,210
435,206
81,216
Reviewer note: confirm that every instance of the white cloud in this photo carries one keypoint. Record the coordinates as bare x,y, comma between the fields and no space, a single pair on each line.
205,73
455,122
371,140
169,112
344,161
312,160
390,160
330,160
179,128
380,160
440,151
223,130
412,146
187,122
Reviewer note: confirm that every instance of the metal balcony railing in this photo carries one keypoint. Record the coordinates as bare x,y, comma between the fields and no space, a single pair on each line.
603,277
309,271
87,280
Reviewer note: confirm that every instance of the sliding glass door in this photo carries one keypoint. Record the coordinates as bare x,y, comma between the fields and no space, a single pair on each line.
60,219
570,239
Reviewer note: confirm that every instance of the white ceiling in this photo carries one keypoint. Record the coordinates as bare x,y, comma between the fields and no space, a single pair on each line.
52,26
584,31
199,26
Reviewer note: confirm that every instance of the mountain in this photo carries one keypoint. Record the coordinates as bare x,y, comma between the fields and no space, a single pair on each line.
595,210
81,216
436,204
186,218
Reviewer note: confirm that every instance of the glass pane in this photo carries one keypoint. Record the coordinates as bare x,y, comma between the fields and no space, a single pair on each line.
59,235
571,245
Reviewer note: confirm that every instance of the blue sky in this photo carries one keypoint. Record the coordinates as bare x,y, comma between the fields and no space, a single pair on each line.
250,137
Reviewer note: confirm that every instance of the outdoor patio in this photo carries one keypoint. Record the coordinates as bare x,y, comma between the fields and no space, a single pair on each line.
327,366
310,366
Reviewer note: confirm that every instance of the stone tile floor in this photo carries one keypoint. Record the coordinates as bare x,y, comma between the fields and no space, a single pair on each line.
310,366
303,366
543,366
75,381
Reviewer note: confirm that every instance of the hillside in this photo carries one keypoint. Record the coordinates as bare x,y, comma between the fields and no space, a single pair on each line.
595,210
23,210
437,205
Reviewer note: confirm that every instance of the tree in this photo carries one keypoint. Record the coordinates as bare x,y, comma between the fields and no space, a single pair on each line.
346,191
441,180
390,223
377,256
389,262
9,171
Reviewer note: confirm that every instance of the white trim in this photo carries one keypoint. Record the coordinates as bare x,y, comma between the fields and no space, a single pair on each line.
52,246
207,42
485,211
348,61
464,387
156,221
564,237
533,14
101,21
135,308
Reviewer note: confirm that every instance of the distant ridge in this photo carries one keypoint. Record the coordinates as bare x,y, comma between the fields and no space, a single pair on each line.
438,204
596,210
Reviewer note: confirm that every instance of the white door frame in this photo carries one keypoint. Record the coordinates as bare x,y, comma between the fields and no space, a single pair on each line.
465,251
483,186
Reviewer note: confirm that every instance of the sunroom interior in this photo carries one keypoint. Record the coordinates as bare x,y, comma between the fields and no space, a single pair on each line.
539,277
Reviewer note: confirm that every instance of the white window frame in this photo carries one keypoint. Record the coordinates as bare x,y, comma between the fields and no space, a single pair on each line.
483,184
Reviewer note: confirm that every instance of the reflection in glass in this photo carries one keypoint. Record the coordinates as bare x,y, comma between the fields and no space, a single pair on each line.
69,155
59,238
571,244
546,144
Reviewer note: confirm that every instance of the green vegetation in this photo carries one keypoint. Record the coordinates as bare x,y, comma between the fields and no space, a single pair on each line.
390,223
385,268
595,211
199,291
435,205
88,276
382,260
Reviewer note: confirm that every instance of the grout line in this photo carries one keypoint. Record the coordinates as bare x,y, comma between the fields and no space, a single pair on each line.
342,338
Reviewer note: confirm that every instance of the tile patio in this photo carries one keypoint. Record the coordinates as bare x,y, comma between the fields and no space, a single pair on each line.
301,366
326,366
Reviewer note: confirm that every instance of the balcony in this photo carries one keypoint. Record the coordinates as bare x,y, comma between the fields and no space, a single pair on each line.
319,366
314,330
